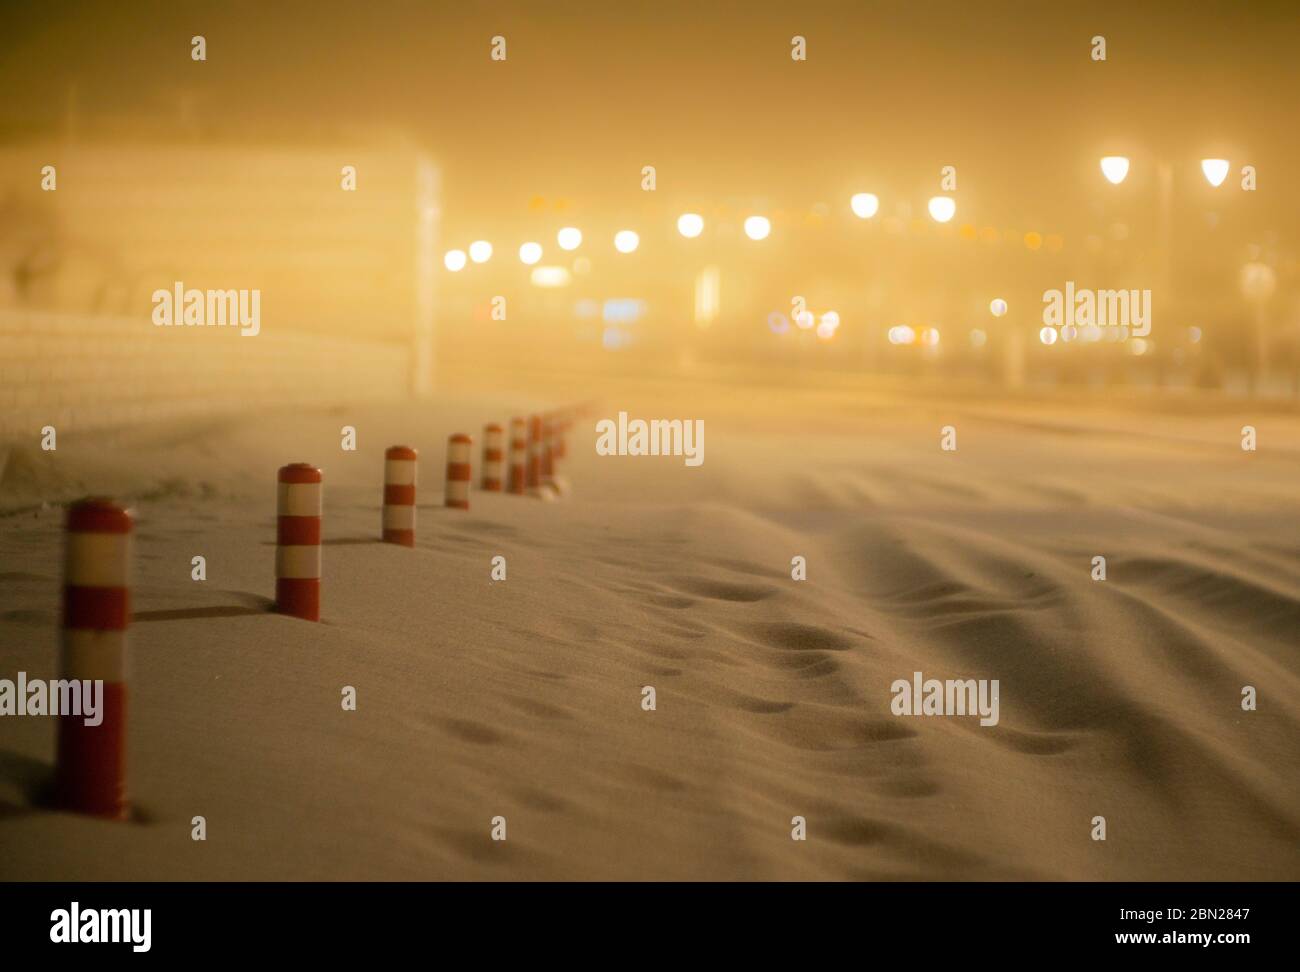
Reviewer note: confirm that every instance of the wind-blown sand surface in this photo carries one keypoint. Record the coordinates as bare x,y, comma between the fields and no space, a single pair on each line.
522,698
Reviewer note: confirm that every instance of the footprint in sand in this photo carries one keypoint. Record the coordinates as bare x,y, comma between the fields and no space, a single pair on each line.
472,732
535,707
754,704
720,590
792,636
1032,743
673,601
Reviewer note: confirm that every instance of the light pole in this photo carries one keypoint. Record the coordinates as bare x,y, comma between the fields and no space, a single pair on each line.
1116,169
1258,282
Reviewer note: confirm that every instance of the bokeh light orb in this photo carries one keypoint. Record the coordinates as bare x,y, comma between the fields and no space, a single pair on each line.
530,253
690,225
1114,168
758,227
942,208
864,205
1215,170
454,260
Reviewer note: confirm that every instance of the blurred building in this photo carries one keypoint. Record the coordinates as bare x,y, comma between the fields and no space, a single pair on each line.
88,232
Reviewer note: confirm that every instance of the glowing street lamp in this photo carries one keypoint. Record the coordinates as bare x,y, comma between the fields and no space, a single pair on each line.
997,307
942,208
480,251
757,227
530,253
690,225
864,205
626,241
1216,170
1115,169
569,238
454,260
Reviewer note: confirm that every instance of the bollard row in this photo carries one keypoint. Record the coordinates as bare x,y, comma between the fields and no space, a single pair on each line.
90,771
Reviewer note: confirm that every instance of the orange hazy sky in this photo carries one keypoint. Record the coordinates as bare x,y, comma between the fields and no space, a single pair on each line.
707,92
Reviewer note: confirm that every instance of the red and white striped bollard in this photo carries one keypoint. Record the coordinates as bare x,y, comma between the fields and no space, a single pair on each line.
90,773
399,495
518,457
297,538
459,472
493,458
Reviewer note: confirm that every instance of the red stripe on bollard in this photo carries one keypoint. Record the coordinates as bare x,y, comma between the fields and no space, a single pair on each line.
399,495
91,760
96,608
295,531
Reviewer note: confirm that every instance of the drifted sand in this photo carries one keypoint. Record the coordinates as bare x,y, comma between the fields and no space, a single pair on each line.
522,698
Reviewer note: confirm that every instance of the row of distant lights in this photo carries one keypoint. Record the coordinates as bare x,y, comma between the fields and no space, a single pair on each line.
904,334
805,320
690,225
1115,169
865,205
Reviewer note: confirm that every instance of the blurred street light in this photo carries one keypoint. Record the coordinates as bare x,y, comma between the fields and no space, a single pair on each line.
530,253
480,251
942,208
1115,169
626,241
690,225
569,238
550,277
864,205
1216,170
454,260
757,227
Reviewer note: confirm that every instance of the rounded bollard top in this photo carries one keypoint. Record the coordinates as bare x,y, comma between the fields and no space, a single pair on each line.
492,427
98,514
401,452
299,472
460,438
